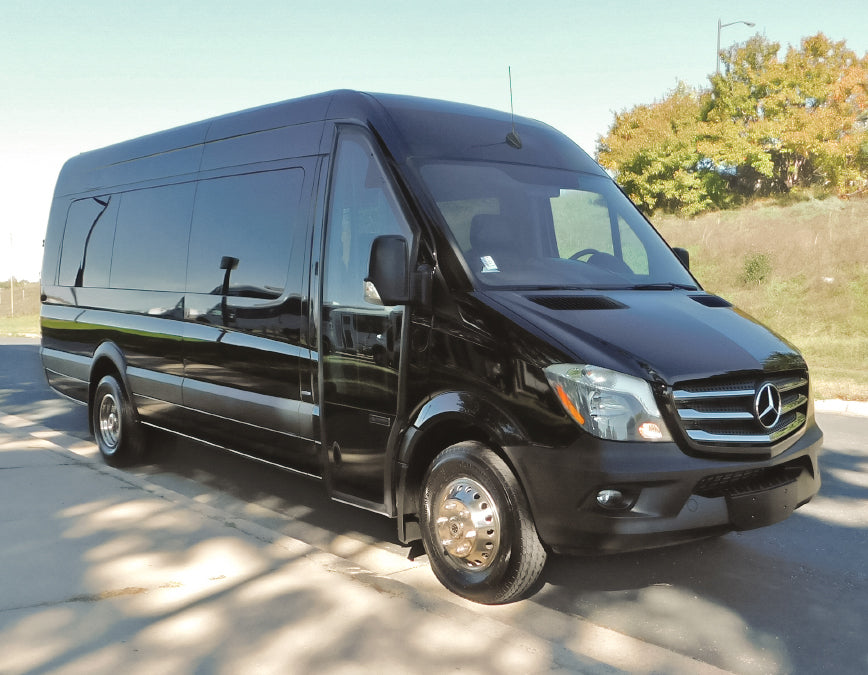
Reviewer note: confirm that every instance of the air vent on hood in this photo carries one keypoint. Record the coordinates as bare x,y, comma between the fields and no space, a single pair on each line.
571,302
711,300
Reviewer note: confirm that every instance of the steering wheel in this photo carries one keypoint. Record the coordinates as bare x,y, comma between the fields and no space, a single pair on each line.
583,252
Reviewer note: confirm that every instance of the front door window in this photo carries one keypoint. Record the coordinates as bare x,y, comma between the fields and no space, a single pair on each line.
360,341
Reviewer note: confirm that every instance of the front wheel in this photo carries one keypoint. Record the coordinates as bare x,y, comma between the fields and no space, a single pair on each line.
477,528
117,432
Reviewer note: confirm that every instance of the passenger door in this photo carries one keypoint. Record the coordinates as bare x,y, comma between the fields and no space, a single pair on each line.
361,352
243,348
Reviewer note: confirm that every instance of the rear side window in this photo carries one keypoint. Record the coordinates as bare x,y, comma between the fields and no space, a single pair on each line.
87,242
244,223
150,247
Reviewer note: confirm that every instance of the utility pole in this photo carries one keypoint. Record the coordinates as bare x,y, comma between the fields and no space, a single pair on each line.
11,283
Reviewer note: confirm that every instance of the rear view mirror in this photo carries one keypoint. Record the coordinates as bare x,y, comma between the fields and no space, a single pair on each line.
388,271
683,255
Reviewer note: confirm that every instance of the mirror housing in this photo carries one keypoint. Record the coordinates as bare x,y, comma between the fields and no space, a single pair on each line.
388,280
683,255
227,262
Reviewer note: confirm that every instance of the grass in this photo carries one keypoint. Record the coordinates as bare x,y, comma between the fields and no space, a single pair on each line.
800,269
25,302
20,325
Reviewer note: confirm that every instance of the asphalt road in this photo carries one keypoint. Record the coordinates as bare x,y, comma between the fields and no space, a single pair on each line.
791,598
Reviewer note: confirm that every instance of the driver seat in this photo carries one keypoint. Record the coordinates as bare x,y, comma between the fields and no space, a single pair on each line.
493,243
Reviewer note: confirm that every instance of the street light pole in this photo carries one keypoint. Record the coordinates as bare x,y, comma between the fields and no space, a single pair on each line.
11,283
724,25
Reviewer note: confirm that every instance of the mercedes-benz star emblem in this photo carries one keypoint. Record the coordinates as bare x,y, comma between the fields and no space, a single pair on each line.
767,405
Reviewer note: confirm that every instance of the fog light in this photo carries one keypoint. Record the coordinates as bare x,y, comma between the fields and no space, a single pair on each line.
614,500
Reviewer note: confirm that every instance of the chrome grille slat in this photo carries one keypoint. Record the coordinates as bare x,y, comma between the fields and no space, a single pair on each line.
696,415
681,395
719,414
705,437
798,402
795,383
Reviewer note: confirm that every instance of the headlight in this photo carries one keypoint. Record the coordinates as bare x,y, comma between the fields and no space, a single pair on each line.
608,404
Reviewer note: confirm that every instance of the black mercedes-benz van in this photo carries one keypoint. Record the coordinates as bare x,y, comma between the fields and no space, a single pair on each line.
450,316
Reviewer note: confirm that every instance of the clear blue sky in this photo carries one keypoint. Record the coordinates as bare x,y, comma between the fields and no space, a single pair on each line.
80,75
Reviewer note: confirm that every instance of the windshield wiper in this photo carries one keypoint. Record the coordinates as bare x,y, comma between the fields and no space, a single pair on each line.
666,286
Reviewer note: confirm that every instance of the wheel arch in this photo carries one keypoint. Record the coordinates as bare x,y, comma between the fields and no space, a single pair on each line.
108,359
444,420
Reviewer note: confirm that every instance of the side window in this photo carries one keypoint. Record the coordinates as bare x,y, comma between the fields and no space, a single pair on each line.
87,242
361,342
581,220
150,247
244,223
361,209
635,254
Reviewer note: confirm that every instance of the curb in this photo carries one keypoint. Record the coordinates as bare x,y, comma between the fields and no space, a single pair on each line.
841,407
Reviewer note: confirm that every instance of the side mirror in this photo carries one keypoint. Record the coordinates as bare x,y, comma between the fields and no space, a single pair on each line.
227,262
683,255
388,280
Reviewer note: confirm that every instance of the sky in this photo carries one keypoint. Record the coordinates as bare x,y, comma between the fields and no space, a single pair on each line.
75,76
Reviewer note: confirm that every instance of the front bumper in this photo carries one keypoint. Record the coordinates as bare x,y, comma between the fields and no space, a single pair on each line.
674,497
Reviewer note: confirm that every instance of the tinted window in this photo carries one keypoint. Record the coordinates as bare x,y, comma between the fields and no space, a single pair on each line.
87,242
244,223
362,208
150,249
533,227
361,341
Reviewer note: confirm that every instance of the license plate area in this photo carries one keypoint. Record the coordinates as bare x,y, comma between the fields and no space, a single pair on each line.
758,509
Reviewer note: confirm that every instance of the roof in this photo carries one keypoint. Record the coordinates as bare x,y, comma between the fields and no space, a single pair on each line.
410,127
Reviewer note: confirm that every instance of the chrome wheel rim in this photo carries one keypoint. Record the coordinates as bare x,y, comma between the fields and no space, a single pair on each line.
109,422
467,524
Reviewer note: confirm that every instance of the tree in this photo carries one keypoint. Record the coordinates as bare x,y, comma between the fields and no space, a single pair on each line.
764,126
798,118
653,151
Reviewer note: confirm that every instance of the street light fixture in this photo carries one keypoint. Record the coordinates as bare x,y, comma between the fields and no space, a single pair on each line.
724,25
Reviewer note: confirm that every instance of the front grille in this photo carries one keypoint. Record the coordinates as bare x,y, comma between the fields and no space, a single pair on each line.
724,412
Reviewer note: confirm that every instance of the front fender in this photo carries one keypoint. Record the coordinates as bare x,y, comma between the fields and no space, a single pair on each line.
463,408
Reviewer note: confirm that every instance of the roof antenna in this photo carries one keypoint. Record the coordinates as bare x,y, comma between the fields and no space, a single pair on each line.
513,140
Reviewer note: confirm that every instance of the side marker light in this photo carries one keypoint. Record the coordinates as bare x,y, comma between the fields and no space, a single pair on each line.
569,405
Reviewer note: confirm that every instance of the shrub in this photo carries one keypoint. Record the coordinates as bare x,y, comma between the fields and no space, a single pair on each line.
757,267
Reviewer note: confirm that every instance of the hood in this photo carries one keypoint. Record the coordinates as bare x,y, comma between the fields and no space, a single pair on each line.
670,335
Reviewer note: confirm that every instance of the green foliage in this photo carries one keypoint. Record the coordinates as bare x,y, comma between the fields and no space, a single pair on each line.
765,126
757,266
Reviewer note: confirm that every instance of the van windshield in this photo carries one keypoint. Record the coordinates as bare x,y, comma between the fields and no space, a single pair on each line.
521,226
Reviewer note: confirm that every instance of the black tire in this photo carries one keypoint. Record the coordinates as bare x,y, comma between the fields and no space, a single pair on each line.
477,528
118,433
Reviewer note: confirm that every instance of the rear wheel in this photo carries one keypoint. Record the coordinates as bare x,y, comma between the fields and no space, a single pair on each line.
118,435
477,528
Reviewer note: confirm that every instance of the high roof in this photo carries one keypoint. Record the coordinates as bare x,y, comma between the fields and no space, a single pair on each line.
410,127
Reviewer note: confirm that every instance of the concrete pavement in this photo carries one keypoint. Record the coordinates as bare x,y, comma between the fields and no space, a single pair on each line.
105,572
